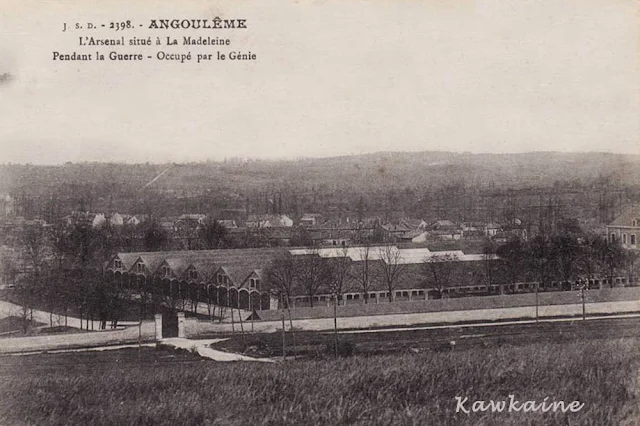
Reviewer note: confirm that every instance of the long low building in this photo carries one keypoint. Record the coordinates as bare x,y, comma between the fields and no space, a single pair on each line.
219,276
241,277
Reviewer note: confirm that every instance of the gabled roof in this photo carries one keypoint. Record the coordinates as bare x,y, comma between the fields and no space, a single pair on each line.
191,216
311,216
273,220
329,234
279,232
413,233
627,216
396,227
127,259
442,224
151,261
413,223
227,223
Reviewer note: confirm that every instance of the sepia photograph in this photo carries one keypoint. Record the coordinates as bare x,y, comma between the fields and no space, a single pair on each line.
319,212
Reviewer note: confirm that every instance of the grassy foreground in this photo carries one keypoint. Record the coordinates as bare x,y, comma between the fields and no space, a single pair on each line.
156,387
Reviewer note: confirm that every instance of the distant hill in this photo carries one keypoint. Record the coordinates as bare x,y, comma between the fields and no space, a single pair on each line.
337,179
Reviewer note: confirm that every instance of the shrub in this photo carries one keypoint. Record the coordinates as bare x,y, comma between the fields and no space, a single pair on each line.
345,348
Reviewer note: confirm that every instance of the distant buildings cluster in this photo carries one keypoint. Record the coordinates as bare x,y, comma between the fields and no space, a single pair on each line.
247,230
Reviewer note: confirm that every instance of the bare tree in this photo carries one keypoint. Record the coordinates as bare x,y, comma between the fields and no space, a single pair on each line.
438,271
33,241
193,293
85,248
211,300
365,273
630,261
27,289
390,268
488,260
340,269
282,274
9,267
313,273
58,236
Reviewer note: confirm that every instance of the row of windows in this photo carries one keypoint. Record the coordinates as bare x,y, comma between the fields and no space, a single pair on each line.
192,274
357,296
632,239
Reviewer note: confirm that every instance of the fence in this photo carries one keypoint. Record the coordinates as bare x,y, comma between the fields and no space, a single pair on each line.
146,332
486,308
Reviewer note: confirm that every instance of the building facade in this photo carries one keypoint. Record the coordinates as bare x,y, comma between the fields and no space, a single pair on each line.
625,229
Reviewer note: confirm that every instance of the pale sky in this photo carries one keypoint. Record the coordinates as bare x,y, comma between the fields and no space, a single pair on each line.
332,77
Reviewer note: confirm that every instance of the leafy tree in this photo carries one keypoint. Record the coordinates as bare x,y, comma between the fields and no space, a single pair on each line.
540,258
85,245
569,227
130,237
612,258
212,235
590,260
301,238
513,255
565,252
155,237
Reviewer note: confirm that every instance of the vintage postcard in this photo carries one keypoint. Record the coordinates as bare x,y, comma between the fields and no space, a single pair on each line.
393,212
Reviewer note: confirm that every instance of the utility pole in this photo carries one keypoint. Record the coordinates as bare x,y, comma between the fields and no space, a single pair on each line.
252,312
335,323
284,350
582,296
537,303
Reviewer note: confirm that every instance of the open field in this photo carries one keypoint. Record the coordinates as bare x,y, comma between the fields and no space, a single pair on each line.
420,339
157,386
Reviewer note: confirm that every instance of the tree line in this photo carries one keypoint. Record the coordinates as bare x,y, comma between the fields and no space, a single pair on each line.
65,263
545,259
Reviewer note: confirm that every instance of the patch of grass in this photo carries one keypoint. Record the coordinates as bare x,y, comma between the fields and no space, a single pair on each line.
14,323
412,340
138,388
61,329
